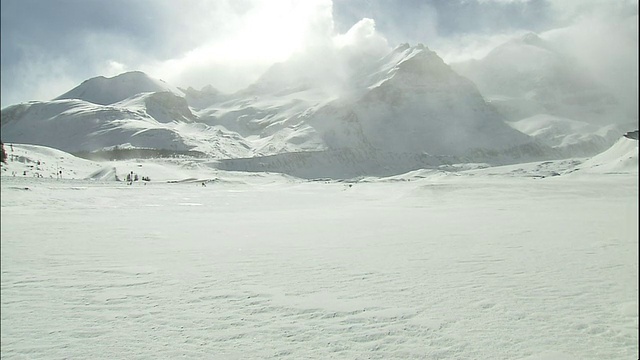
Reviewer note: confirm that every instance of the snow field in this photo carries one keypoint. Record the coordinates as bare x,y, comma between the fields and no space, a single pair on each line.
442,267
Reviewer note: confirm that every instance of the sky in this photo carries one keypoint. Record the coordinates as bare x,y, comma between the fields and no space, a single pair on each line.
50,46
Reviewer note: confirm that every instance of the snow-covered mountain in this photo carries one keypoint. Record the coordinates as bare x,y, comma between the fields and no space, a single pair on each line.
77,125
415,103
106,91
400,112
528,76
409,101
574,138
160,120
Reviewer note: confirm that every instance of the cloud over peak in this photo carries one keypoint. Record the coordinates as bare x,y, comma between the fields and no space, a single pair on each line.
48,47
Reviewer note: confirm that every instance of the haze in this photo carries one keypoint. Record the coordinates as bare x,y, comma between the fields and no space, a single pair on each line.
50,47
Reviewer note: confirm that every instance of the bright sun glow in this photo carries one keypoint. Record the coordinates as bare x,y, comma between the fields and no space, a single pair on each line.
270,32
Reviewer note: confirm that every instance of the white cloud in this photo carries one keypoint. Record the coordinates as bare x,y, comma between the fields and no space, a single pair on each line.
230,43
271,32
226,43
41,76
608,48
363,36
572,11
602,36
329,61
267,32
113,68
470,46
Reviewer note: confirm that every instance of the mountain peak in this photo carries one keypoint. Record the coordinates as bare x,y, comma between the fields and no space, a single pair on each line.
131,73
419,60
531,39
135,75
420,46
402,47
105,91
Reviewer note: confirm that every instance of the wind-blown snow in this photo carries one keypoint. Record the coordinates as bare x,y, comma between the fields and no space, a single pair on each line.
529,75
493,263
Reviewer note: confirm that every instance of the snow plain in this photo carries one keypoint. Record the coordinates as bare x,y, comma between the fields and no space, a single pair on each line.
528,261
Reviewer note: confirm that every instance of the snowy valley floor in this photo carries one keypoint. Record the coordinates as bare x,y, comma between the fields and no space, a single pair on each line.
475,266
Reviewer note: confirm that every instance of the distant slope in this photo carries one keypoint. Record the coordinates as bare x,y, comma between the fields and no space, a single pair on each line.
622,157
40,161
28,161
527,76
76,125
106,91
203,98
149,121
574,138
164,107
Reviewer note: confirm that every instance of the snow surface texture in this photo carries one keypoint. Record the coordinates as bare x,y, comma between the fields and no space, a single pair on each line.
527,261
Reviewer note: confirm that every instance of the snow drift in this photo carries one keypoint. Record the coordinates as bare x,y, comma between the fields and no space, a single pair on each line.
622,157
